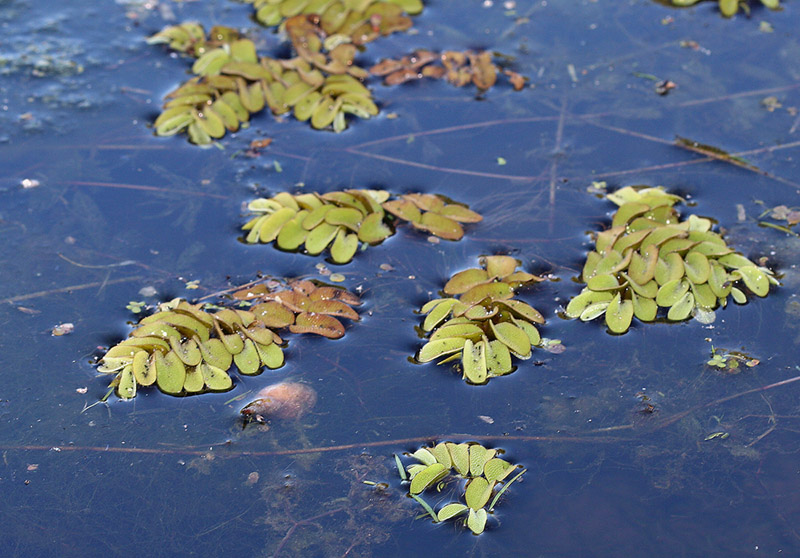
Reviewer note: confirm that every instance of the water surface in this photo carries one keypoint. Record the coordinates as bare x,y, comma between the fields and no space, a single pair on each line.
118,209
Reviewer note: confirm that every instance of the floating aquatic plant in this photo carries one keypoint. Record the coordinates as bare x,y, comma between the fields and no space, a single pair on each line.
359,21
232,82
481,323
343,219
304,308
730,361
730,7
458,68
649,258
481,468
185,349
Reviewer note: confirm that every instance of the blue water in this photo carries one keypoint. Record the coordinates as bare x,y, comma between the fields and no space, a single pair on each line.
117,210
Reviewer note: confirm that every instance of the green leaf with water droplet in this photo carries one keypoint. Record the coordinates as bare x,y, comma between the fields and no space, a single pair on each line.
473,360
619,314
170,372
681,309
126,389
754,278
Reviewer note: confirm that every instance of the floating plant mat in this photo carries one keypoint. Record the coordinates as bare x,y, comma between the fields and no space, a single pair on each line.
481,323
484,475
343,219
649,258
730,7
231,82
458,68
320,84
361,21
187,349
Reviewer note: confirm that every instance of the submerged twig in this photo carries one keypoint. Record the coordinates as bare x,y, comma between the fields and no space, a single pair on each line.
715,153
71,288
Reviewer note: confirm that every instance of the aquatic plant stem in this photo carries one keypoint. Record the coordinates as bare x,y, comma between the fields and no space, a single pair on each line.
678,416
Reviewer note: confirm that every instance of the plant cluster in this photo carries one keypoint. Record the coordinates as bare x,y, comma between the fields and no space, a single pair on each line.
321,84
481,323
304,308
729,361
480,467
185,349
361,21
342,219
458,68
730,7
649,258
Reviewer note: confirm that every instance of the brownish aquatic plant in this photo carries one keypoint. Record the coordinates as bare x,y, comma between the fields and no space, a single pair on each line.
457,68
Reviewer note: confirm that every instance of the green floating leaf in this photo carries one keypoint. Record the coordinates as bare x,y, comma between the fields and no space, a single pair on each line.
477,465
170,372
451,510
435,349
460,456
619,314
755,279
476,520
473,361
427,477
478,492
127,383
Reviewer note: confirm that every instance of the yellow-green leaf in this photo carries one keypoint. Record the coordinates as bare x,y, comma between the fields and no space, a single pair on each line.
427,477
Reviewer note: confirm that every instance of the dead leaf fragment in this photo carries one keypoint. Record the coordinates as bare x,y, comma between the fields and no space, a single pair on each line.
62,329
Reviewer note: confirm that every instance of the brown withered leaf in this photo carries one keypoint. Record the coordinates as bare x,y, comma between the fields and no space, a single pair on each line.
401,76
484,73
452,60
332,293
435,72
320,324
517,80
254,291
273,314
332,308
385,67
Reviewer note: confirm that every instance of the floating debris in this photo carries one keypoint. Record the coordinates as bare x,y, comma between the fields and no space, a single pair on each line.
284,400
